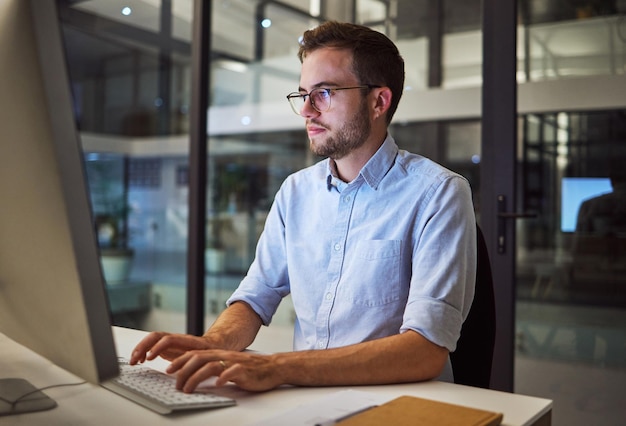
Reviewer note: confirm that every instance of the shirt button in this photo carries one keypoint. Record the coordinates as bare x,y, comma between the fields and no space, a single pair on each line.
329,296
337,247
320,344
346,199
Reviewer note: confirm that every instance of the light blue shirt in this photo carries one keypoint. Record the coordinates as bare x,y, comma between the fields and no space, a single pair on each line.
393,250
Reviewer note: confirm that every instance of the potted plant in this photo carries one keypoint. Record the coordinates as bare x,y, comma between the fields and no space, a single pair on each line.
215,252
109,199
115,255
231,185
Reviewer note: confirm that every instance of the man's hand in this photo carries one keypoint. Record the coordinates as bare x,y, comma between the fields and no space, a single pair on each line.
235,329
166,345
249,371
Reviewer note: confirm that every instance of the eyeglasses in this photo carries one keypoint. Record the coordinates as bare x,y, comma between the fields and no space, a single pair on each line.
319,97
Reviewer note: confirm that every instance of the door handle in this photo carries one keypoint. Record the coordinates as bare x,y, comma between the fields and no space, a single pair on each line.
503,215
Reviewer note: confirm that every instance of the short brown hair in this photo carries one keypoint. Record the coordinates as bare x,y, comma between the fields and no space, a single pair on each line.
376,59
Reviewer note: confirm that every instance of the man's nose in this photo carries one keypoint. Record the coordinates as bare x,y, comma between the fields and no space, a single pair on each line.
307,108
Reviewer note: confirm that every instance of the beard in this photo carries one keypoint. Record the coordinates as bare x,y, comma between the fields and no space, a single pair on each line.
350,136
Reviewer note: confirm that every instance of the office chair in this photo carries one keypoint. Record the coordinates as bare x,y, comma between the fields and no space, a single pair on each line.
472,359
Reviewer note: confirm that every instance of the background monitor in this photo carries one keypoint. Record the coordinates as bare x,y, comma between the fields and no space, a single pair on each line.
52,293
575,190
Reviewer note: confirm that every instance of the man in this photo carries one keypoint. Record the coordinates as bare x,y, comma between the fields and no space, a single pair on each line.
605,215
376,246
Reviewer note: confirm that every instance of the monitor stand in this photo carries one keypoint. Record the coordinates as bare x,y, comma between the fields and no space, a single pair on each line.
28,397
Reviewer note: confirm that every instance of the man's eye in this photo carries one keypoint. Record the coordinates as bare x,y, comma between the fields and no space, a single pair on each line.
322,94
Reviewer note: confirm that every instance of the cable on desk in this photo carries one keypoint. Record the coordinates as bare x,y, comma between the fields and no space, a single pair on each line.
13,403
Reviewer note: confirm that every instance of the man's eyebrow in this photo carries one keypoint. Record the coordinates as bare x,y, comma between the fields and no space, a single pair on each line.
318,85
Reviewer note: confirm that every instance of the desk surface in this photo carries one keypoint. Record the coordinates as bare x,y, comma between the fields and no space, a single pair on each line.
94,405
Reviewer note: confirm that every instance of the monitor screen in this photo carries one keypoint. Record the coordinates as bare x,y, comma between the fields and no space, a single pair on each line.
575,190
52,293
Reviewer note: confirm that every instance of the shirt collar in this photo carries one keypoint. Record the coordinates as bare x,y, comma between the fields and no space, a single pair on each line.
374,170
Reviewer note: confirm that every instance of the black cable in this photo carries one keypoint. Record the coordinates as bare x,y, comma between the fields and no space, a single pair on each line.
21,397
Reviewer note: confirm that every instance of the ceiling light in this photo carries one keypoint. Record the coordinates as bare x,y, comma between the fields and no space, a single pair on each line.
126,11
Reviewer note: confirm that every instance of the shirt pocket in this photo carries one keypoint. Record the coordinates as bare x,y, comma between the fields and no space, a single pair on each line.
372,278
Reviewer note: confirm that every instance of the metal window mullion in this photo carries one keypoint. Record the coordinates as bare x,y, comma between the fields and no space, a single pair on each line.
196,242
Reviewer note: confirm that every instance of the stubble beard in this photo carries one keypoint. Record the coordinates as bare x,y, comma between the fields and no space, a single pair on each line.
350,136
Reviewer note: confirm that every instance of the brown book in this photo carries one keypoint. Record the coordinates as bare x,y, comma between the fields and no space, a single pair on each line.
412,411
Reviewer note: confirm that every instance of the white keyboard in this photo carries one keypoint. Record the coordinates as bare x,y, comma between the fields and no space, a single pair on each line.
157,391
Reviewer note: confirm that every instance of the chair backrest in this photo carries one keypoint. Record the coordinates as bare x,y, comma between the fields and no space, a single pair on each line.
472,359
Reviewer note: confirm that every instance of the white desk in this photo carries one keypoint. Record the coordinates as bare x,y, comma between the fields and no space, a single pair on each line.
93,405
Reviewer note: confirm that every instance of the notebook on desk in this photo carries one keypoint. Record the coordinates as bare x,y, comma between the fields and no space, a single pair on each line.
410,411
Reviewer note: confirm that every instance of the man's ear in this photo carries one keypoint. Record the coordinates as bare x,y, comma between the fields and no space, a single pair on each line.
382,101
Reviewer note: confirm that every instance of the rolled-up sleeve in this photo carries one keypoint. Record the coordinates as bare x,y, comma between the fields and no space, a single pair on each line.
267,281
444,265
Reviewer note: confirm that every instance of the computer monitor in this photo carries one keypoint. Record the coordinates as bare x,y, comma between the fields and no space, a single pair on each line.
575,190
52,293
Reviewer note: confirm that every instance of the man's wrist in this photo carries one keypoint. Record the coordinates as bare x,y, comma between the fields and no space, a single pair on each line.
212,340
282,367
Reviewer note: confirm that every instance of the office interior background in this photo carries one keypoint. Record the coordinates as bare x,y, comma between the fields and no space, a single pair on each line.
130,64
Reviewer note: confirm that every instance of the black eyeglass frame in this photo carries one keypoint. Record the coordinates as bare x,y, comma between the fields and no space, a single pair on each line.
294,95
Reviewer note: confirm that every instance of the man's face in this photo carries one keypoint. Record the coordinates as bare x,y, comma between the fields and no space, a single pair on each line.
346,125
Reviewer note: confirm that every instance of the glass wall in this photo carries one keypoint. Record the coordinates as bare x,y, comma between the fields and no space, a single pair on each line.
573,254
571,300
571,262
129,66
